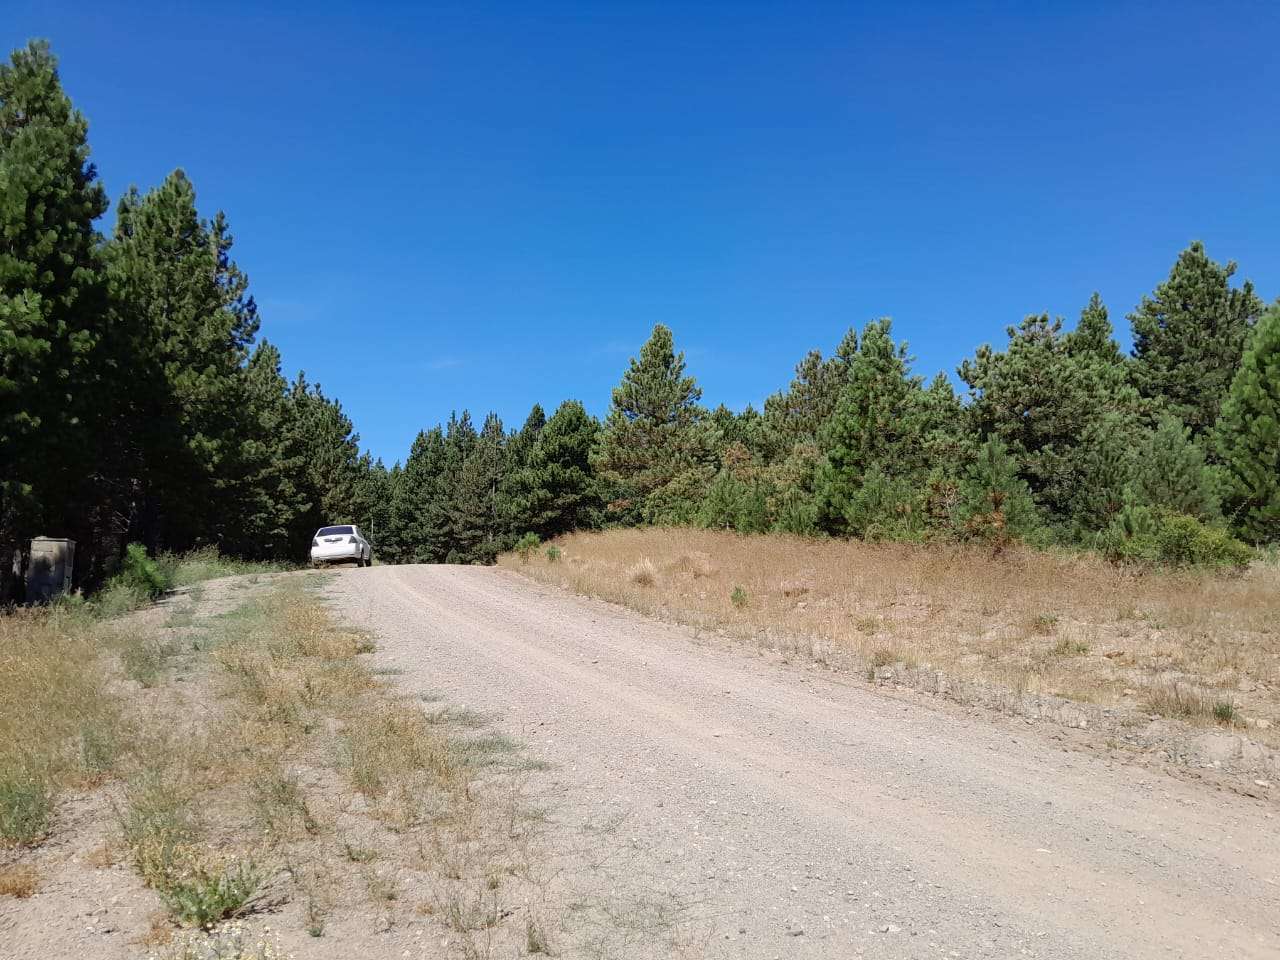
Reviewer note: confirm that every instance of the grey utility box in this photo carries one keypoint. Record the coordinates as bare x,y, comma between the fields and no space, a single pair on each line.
49,575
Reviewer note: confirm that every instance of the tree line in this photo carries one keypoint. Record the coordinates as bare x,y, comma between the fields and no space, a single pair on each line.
1166,454
137,404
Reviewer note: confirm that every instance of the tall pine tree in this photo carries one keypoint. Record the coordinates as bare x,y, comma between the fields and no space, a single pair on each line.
870,427
1188,337
656,451
1248,436
52,317
192,321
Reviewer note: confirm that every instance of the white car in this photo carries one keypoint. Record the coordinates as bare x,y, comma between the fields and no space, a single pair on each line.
341,544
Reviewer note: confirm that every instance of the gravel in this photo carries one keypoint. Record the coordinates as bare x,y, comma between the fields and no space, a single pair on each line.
747,808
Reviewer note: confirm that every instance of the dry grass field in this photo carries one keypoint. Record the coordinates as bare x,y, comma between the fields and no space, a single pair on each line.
1197,648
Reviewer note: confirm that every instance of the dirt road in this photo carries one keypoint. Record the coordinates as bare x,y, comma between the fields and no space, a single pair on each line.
789,813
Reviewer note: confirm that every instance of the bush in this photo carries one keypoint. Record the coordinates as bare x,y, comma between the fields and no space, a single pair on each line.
553,554
139,579
527,546
206,892
1150,536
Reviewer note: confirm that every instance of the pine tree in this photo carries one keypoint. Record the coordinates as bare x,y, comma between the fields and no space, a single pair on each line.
418,515
1040,396
1248,436
995,503
1093,335
870,427
657,448
1188,337
333,467
476,531
1170,472
798,415
52,316
192,322
272,499
556,489
513,507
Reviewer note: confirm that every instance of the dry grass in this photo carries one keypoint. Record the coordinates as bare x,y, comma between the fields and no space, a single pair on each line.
310,746
18,880
60,723
1055,623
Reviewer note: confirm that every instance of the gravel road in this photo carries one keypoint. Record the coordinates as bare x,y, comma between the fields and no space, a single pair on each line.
792,813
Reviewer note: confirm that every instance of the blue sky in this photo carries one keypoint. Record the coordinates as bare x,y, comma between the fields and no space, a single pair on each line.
486,205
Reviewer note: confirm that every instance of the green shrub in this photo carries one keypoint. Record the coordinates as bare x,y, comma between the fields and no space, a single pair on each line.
204,893
554,554
739,597
26,807
139,579
1150,536
527,546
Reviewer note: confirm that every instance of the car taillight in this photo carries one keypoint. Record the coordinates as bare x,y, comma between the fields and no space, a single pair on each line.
315,543
351,540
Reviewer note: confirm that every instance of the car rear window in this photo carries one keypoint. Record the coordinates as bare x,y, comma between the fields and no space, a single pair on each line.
333,531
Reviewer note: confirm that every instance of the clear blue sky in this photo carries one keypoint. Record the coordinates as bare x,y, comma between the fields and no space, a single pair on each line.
485,205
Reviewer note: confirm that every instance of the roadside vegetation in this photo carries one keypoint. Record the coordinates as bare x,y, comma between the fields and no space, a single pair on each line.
254,758
1184,644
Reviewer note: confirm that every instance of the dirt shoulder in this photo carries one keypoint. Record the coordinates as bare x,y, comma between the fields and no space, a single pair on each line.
1176,667
770,809
273,784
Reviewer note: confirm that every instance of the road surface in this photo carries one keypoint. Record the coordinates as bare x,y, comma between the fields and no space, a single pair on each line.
795,813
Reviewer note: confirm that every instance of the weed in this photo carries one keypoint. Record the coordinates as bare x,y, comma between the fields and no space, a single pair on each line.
643,573
738,598
280,807
1044,623
157,825
554,554
382,887
359,854
18,880
26,807
98,750
1224,711
1070,648
527,546
208,890
316,918
1178,700
535,938
484,751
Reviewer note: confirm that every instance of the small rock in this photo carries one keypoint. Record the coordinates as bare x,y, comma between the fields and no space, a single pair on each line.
885,928
1262,783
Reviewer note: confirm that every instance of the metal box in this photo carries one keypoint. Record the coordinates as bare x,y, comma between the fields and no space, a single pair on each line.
49,574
